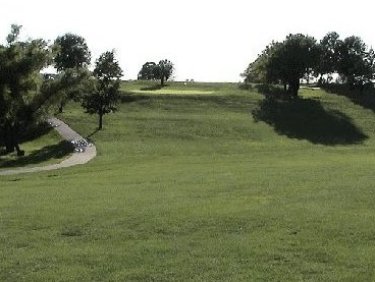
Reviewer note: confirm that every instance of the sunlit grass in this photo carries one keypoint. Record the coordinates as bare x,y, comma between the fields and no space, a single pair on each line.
202,188
170,91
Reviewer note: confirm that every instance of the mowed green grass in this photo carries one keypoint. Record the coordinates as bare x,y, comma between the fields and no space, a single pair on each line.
212,187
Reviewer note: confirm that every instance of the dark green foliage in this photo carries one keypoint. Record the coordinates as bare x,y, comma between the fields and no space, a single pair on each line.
69,84
256,72
20,98
163,71
328,57
150,71
286,62
356,62
291,60
71,51
103,97
71,59
147,72
298,56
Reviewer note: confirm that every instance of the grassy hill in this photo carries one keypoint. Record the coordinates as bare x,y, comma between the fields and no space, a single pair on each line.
202,182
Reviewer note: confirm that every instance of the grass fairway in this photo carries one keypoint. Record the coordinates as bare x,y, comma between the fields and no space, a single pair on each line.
218,187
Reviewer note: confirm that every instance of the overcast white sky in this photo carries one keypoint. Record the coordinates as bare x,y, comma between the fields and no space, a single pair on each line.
207,40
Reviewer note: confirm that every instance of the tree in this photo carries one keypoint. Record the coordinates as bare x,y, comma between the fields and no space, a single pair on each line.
71,51
294,57
72,56
163,71
328,55
70,84
20,80
356,63
256,72
147,71
286,62
104,97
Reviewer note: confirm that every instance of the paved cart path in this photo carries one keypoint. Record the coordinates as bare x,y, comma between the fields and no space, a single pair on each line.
76,158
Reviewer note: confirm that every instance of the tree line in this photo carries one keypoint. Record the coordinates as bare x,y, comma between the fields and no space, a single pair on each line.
300,56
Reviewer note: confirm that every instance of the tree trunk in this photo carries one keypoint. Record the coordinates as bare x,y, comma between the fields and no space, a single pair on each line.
294,87
11,140
285,89
9,147
100,121
61,106
162,80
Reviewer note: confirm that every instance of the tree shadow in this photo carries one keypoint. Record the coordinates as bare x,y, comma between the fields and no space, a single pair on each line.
29,133
56,151
35,131
128,97
274,91
365,99
152,87
88,137
306,119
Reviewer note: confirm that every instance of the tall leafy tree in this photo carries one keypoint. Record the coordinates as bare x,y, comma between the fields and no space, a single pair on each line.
286,62
147,71
71,59
163,71
256,72
328,56
104,97
71,51
292,59
356,62
20,80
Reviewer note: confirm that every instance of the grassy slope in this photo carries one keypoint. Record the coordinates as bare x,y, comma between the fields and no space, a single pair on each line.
192,188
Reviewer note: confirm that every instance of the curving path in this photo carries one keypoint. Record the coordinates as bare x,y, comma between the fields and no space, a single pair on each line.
77,158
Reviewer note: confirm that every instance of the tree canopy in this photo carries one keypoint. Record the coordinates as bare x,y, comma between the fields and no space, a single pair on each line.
299,55
104,96
71,51
21,98
147,71
163,71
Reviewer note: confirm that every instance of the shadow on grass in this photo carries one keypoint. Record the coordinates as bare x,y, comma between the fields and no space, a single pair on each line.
307,119
128,97
152,87
57,151
365,99
31,133
88,137
274,91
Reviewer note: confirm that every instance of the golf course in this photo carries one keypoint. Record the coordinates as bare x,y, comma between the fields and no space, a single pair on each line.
198,182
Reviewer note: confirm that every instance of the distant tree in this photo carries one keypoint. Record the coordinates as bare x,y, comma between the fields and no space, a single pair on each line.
72,56
71,51
104,97
256,72
163,71
328,55
147,71
356,63
290,60
20,81
285,62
